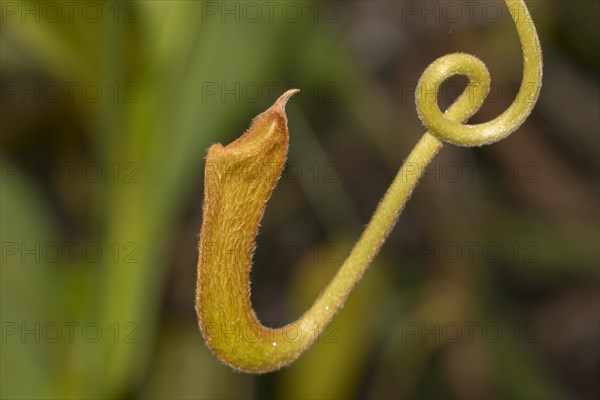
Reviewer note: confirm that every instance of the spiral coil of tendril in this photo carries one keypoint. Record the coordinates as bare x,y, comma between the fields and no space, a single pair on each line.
233,210
449,126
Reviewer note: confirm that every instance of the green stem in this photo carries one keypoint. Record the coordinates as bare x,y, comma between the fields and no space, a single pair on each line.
368,245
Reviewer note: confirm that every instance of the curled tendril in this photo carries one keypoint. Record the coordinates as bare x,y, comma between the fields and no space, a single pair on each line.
233,208
449,126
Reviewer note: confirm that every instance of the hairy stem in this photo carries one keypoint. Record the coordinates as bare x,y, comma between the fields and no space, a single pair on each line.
235,201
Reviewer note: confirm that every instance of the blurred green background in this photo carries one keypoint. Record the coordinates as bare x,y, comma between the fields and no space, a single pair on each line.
487,288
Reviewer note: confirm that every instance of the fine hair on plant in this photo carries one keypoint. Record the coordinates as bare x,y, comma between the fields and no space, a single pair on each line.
233,209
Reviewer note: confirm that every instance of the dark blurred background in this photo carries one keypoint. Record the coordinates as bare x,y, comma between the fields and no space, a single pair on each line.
487,288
